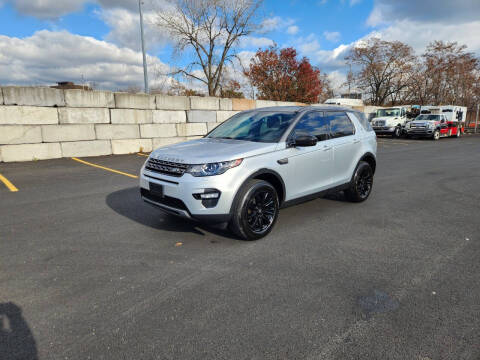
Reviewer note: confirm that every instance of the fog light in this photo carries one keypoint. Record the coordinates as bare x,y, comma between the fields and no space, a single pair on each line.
209,197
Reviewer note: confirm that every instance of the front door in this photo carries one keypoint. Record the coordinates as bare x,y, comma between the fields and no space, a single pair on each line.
311,165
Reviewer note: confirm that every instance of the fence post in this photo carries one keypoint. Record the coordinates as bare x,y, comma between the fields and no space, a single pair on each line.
476,118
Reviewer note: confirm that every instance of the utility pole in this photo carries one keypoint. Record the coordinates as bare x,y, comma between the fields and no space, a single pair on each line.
145,72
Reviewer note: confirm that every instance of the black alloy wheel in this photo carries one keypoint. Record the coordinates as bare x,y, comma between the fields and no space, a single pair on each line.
261,210
255,210
362,183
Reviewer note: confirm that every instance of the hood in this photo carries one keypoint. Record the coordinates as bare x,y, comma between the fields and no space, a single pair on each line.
423,122
209,150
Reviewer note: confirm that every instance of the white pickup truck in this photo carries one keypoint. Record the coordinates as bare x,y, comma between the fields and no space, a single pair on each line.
390,121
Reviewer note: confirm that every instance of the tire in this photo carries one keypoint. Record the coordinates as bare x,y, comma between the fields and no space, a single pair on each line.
436,135
397,133
362,183
255,210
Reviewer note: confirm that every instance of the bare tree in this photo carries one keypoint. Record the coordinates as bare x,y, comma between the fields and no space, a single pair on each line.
211,29
383,68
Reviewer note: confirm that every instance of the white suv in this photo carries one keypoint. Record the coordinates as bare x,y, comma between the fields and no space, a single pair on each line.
259,161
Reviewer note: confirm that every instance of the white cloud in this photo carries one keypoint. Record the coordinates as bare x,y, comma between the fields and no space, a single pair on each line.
47,57
445,11
125,28
52,9
332,36
419,34
292,30
254,42
275,23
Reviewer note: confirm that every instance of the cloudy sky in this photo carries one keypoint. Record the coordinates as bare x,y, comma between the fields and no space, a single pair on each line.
97,41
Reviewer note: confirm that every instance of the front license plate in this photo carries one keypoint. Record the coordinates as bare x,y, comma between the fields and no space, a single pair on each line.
156,189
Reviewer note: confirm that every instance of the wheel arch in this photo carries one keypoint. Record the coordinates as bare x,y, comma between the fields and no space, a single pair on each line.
370,159
269,175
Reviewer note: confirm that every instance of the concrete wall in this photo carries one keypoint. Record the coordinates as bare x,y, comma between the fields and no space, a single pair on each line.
39,123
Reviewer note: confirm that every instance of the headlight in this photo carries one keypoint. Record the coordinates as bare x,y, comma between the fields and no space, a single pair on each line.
213,168
430,125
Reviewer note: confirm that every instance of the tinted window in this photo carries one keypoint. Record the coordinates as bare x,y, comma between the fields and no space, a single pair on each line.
340,124
363,120
259,126
315,124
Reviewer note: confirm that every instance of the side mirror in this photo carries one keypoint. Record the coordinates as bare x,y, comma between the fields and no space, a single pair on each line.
305,140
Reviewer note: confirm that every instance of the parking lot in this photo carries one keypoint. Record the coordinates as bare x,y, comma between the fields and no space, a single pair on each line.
98,274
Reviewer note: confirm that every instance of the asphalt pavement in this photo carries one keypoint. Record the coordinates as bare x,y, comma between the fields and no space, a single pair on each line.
89,271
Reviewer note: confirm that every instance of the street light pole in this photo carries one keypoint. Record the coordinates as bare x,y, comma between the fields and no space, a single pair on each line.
145,72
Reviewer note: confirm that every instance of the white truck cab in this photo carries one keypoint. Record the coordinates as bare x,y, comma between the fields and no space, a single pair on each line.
390,121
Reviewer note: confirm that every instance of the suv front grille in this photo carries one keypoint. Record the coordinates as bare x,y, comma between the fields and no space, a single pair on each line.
166,167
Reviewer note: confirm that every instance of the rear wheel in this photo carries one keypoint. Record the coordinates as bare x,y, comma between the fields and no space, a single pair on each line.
362,183
255,210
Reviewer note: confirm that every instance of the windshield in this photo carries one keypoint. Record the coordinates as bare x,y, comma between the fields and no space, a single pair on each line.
258,126
388,112
428,117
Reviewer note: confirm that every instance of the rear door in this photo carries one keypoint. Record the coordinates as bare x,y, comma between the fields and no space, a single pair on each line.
311,165
346,142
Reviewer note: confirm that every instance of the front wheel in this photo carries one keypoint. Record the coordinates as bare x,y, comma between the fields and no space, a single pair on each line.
436,135
397,132
255,210
362,183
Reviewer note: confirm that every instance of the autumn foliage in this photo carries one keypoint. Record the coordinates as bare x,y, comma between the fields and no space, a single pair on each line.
278,75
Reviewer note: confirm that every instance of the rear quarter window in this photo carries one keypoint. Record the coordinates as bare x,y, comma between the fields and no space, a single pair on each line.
362,119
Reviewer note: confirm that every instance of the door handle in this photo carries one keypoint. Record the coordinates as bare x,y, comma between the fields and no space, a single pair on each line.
283,161
326,148
356,141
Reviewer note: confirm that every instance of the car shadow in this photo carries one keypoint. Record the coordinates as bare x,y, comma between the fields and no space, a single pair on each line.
128,203
16,338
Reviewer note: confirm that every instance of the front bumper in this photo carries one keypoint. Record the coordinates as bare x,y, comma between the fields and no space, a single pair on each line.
424,131
383,130
177,198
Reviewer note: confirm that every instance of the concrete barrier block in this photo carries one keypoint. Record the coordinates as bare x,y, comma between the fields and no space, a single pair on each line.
34,96
20,134
28,115
211,126
224,115
60,133
129,116
204,103
165,102
83,115
131,146
169,116
30,152
198,116
226,104
86,148
89,99
1,98
159,142
243,104
191,129
108,131
158,130
193,137
265,103
134,101
286,103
